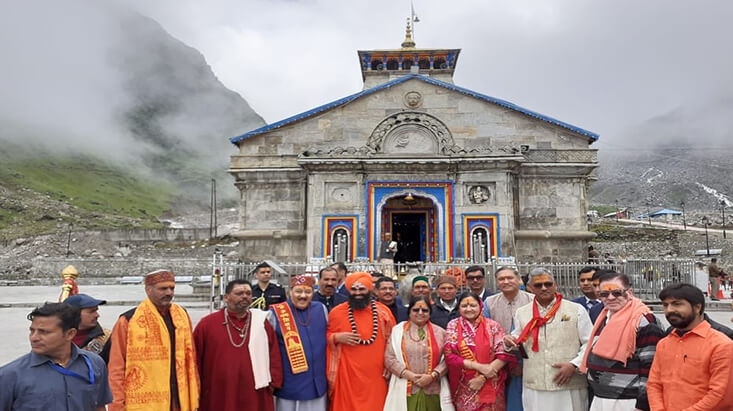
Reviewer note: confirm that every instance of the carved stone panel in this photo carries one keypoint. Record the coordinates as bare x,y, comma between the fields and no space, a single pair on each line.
480,193
340,193
398,129
413,99
411,139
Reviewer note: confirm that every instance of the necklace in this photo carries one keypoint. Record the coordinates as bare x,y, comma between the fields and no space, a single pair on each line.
420,334
375,324
307,319
242,331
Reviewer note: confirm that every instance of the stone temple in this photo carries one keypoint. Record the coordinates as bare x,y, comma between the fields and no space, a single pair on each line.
451,174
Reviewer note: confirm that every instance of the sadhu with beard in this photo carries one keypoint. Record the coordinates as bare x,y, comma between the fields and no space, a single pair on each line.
300,325
357,337
237,355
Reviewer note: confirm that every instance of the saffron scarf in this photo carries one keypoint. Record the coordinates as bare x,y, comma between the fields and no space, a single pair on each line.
148,362
482,353
533,326
291,337
433,351
617,340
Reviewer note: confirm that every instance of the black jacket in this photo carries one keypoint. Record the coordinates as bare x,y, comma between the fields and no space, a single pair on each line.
441,316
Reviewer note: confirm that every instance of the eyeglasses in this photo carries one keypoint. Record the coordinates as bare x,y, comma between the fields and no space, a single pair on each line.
420,310
474,277
616,293
547,284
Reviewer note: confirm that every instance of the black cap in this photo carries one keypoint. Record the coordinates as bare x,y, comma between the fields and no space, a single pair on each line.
84,301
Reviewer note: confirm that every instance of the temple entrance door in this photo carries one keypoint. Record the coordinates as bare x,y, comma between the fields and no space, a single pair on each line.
412,224
408,229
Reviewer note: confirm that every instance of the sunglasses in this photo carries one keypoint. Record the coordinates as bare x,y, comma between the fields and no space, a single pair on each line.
474,277
616,293
547,284
420,310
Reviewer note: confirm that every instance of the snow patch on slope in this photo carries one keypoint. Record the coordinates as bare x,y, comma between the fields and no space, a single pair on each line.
715,193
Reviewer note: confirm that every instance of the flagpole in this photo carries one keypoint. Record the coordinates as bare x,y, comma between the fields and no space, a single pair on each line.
413,19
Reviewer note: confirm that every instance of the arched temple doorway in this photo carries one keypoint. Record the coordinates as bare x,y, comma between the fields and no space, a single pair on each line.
412,220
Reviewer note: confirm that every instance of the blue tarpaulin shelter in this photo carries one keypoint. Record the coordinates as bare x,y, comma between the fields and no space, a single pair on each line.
666,211
660,213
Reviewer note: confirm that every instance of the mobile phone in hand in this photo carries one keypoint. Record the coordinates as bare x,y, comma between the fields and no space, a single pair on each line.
522,351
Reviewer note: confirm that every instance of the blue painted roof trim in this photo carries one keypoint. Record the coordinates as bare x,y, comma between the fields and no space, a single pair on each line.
400,80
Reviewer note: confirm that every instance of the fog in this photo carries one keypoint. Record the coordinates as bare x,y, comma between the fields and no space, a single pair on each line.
100,79
615,68
75,72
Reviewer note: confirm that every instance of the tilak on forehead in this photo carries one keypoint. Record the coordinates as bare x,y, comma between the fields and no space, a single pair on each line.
359,280
610,286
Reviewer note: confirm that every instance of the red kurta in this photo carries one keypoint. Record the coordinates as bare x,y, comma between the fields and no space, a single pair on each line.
358,383
227,381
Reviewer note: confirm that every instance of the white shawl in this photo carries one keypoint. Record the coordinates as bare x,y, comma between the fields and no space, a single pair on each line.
259,350
397,394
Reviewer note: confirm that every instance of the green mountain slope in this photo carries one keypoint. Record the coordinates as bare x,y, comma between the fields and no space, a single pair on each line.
43,193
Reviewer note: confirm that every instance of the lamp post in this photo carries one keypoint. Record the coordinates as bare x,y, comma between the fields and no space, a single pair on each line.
722,210
705,222
68,240
684,220
648,212
617,211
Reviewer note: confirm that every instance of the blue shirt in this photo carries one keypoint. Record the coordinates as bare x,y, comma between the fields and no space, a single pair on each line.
31,384
312,325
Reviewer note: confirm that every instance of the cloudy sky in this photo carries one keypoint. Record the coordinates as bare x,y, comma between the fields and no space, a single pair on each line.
618,68
631,71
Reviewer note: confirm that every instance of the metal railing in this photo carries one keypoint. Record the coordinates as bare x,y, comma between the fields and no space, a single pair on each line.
648,276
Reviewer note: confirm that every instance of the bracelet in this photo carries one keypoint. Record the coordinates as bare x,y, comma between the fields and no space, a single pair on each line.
402,372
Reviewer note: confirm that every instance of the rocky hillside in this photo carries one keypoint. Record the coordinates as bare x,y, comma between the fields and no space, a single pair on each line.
664,177
684,154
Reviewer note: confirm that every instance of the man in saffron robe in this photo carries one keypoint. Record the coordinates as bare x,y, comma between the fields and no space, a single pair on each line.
357,337
300,325
152,364
237,355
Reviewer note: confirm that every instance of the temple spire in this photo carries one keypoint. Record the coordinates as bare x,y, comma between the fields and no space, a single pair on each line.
408,43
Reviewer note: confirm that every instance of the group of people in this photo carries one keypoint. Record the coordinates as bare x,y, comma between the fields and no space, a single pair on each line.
350,343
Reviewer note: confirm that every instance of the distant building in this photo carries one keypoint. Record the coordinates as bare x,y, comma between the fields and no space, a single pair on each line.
449,172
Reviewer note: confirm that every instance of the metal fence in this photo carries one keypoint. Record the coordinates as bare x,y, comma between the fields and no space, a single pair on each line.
648,276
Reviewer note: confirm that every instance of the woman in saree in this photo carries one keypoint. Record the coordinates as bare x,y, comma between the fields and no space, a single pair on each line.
474,353
414,357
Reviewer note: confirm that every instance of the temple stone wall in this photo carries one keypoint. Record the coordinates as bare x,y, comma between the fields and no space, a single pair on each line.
473,123
272,215
536,173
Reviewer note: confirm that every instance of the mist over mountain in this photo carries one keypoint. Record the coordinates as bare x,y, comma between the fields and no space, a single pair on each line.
98,79
685,154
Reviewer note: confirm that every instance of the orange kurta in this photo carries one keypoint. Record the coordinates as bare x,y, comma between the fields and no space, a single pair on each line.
355,373
692,372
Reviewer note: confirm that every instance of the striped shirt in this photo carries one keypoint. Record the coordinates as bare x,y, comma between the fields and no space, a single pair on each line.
611,379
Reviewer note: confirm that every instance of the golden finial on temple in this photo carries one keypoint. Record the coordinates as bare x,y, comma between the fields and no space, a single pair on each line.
408,43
